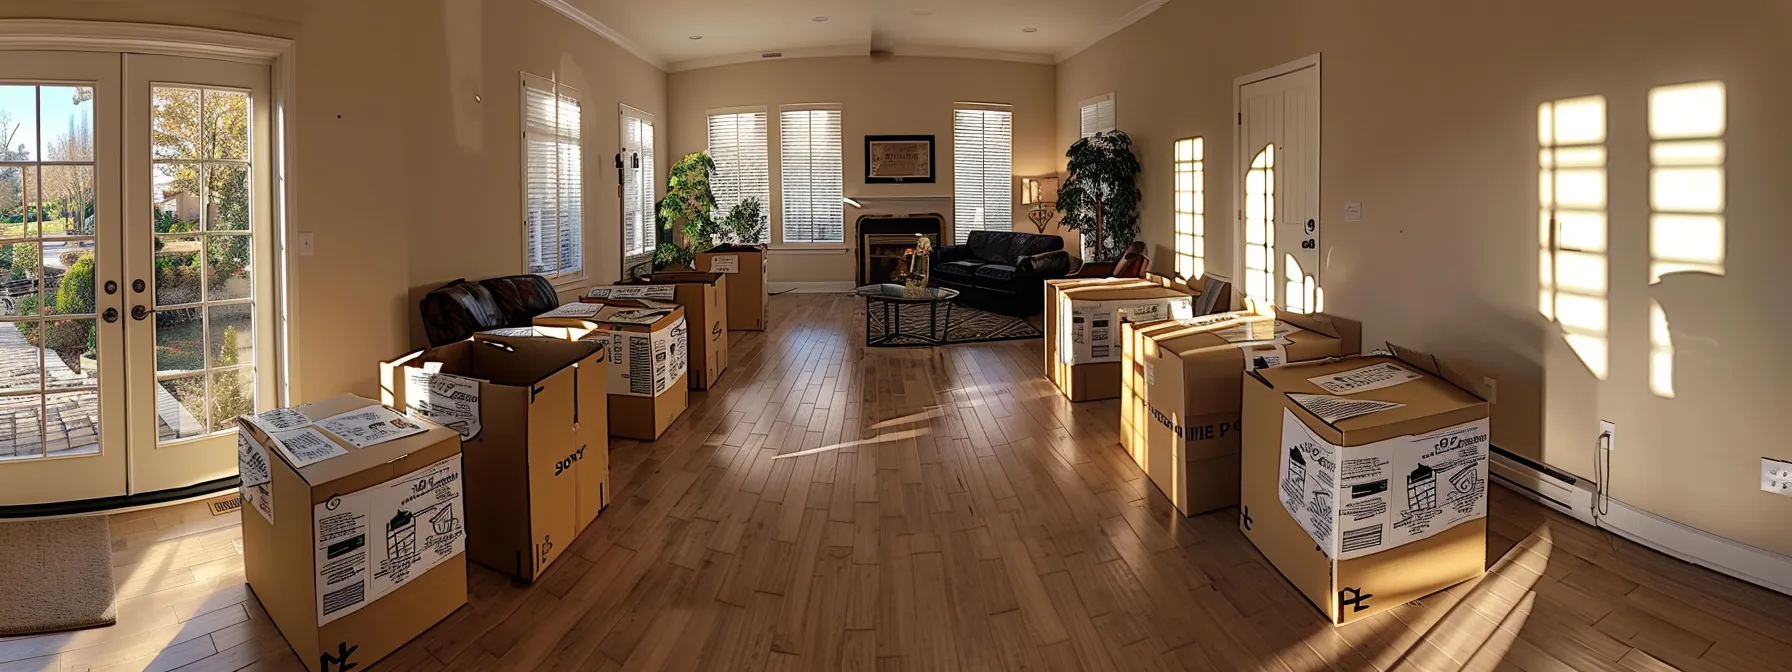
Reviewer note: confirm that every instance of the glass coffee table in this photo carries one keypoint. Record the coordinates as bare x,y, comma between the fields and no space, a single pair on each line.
897,316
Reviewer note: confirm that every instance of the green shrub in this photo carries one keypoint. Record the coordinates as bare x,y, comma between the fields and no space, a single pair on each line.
75,295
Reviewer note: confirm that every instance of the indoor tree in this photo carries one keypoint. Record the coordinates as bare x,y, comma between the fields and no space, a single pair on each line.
1100,196
689,209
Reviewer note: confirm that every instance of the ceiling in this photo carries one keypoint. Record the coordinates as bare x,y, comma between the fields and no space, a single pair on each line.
734,31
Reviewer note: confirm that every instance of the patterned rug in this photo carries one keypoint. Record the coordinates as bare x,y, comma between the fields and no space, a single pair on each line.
964,325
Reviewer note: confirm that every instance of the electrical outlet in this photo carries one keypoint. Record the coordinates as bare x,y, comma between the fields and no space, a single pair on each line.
1609,430
1776,476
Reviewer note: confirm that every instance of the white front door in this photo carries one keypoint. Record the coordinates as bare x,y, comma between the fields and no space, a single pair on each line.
1278,155
134,230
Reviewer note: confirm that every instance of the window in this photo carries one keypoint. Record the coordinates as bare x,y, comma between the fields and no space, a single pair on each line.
983,169
639,195
1191,208
1572,196
810,169
1260,226
1686,197
1098,115
553,172
737,143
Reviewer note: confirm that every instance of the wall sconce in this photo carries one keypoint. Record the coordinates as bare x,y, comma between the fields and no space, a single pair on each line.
1042,194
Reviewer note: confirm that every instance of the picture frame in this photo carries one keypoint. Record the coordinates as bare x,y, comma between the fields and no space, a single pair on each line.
899,159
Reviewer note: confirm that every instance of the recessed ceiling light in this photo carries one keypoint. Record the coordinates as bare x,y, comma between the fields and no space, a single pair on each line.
1029,30
922,12
819,19
696,37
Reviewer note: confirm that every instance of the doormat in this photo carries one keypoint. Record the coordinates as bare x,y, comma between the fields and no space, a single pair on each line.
230,504
58,576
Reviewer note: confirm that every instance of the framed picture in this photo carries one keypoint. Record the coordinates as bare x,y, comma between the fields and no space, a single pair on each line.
898,159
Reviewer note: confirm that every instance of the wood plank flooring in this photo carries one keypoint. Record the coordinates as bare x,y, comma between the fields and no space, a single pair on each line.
946,510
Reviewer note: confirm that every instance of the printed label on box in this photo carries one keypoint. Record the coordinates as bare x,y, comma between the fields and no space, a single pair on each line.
279,419
1262,355
646,365
1372,377
724,263
445,399
1091,329
305,446
1360,500
370,425
661,292
256,473
1332,409
576,310
371,542
513,332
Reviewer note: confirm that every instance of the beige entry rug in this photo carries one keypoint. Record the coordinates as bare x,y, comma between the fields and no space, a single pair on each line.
57,575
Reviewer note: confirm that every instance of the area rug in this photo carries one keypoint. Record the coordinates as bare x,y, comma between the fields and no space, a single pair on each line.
58,576
964,325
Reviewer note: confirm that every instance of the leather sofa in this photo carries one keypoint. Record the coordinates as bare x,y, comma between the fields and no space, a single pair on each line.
1001,271
459,309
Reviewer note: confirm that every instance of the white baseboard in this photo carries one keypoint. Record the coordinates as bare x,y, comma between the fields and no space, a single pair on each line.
1758,566
823,287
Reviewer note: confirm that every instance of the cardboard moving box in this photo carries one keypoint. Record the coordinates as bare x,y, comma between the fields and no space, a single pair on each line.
705,300
1083,348
353,527
533,419
1365,479
648,353
746,268
1180,409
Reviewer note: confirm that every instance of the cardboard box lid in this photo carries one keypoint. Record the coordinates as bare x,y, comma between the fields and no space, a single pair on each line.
610,319
732,248
684,277
1137,290
357,460
505,360
1430,401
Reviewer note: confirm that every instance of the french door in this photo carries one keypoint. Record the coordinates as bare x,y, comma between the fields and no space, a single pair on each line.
1278,157
134,231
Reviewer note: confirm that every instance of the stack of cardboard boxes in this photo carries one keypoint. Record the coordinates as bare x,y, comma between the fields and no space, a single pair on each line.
649,348
1083,351
747,273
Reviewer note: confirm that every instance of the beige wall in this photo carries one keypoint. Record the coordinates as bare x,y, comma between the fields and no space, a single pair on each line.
379,98
883,96
1429,121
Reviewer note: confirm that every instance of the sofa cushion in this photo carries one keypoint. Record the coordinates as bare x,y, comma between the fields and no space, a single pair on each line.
1007,247
460,308
963,269
996,271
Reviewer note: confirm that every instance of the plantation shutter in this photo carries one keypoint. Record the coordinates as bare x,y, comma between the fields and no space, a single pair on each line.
738,145
639,193
1098,115
553,171
983,171
812,175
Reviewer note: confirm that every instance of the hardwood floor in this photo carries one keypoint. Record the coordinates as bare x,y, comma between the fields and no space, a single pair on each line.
948,510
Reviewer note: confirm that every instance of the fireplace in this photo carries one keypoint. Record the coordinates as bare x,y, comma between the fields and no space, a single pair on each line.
884,239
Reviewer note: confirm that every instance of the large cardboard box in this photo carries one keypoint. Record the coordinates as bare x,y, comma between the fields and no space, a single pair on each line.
648,352
1180,409
1365,479
705,300
747,273
1083,329
353,527
532,417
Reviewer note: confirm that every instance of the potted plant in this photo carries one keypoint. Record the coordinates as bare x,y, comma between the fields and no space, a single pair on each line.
689,209
1100,196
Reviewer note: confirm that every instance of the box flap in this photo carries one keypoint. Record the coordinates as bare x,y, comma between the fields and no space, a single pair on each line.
499,360
1425,399
1344,329
1467,380
356,460
684,277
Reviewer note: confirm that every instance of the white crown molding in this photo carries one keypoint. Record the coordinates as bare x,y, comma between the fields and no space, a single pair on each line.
758,56
1118,25
922,51
580,17
59,34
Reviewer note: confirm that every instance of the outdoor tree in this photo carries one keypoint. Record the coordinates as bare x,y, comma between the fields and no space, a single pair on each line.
231,390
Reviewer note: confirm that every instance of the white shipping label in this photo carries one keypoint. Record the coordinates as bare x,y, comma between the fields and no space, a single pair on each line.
1332,409
637,316
1248,333
1372,377
445,399
672,347
370,425
646,364
661,292
724,263
1264,355
279,419
576,309
1360,500
513,332
256,474
371,542
305,446
1094,326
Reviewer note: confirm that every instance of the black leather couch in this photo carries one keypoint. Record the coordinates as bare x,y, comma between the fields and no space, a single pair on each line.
459,309
1001,271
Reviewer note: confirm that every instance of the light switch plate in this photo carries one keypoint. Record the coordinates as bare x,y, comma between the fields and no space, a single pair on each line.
307,244
1776,476
1353,212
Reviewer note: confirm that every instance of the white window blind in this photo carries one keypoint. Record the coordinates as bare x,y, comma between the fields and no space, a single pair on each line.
738,145
1098,115
983,169
553,171
811,172
639,192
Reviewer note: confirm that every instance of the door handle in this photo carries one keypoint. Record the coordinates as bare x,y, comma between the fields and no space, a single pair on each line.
139,312
111,315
